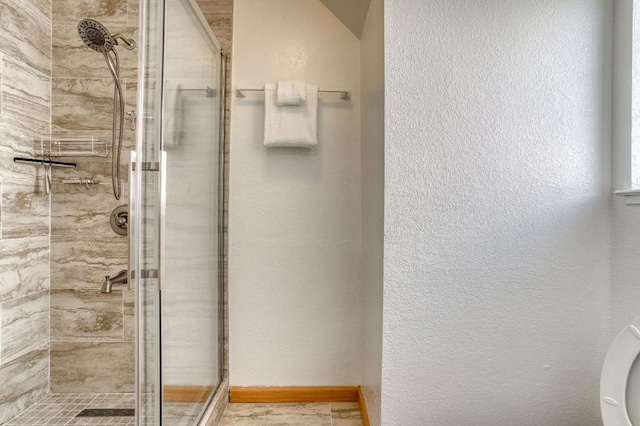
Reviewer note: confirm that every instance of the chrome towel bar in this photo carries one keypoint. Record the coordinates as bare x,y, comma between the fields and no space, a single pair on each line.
209,92
346,94
43,162
47,164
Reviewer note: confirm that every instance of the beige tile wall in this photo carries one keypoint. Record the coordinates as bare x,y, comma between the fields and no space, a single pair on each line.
91,350
25,111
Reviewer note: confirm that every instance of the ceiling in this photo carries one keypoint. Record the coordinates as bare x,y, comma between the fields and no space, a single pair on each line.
352,13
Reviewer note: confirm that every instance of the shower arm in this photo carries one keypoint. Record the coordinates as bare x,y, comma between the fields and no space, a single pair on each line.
129,43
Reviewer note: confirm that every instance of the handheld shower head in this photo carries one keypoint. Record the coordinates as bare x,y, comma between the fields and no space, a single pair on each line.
96,36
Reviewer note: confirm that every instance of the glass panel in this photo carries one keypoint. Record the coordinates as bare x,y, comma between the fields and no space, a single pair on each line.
175,235
145,213
190,286
148,302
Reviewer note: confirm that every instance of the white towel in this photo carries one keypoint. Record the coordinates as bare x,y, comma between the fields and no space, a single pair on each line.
290,126
291,92
173,114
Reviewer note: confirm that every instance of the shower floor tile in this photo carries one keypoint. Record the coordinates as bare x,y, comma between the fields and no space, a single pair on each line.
62,409
310,414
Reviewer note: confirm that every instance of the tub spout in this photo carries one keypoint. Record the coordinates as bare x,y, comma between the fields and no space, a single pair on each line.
121,278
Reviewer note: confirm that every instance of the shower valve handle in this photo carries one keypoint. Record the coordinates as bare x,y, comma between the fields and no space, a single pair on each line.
131,116
121,219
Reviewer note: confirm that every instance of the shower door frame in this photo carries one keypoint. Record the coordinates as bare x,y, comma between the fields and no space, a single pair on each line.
152,158
138,166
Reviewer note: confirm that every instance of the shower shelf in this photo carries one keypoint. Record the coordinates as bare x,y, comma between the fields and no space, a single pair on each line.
76,146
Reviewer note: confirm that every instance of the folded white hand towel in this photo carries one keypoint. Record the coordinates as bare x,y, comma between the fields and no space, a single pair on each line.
291,92
290,126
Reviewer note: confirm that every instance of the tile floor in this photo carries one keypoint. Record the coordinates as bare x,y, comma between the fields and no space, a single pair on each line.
62,409
310,414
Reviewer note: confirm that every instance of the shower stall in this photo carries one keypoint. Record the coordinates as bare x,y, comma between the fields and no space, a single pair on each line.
111,242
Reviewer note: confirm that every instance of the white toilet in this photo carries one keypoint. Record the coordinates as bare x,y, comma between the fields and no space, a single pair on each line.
620,379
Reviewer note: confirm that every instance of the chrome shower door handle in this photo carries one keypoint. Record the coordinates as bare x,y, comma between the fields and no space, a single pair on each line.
134,212
162,216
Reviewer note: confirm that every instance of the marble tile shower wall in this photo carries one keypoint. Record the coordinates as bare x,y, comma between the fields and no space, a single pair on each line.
92,334
25,111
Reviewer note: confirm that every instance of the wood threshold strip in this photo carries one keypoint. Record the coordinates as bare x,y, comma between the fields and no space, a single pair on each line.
187,393
294,394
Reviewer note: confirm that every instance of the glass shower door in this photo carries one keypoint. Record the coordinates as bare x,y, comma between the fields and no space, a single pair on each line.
176,199
190,288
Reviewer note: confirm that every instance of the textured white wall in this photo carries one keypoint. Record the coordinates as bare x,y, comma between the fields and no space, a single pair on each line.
625,269
372,84
294,235
497,224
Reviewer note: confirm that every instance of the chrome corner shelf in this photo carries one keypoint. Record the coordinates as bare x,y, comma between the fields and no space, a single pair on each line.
71,146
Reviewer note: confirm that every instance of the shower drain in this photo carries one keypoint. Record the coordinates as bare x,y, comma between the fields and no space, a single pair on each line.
107,412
